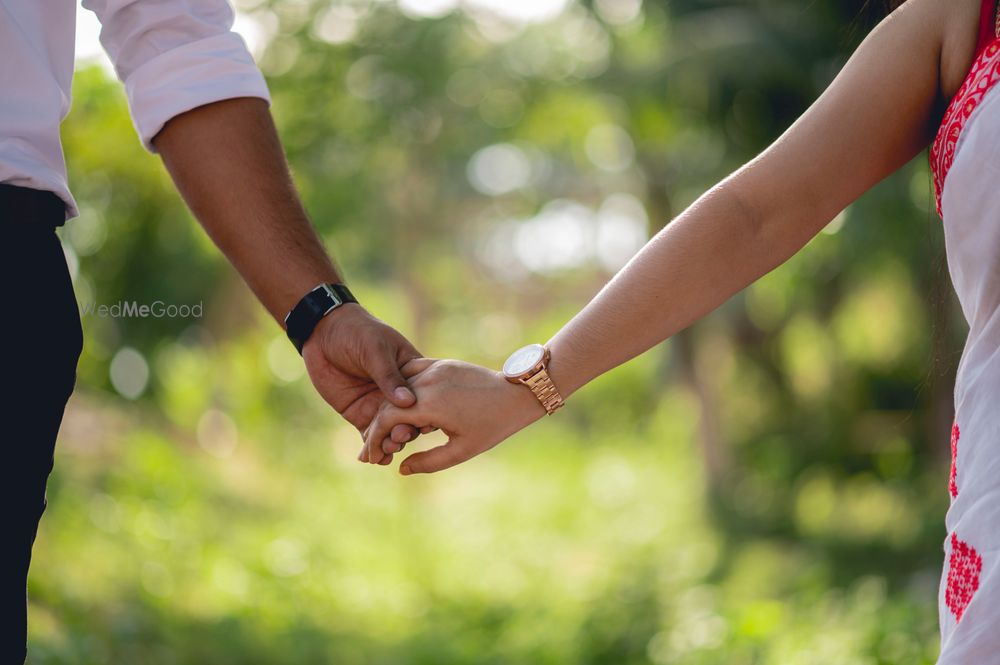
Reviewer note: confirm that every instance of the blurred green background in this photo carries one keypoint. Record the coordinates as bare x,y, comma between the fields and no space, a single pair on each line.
767,487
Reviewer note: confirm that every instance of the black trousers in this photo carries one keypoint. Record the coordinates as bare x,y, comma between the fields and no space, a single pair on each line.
40,343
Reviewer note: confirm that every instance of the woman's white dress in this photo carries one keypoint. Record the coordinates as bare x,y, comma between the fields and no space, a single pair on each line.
965,160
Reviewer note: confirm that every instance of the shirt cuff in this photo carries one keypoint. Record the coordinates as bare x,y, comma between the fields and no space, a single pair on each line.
184,78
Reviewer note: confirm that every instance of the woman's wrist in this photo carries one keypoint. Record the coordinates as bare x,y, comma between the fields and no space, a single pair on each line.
565,369
524,407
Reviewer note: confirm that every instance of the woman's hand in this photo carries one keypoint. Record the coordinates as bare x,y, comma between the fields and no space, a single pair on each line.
476,407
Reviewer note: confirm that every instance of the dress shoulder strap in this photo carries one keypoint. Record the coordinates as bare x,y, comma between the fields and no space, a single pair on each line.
989,25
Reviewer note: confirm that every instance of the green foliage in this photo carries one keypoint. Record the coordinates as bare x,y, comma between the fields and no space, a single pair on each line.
767,487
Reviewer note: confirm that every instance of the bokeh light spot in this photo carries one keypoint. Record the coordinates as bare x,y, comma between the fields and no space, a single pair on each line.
610,148
499,169
129,373
217,433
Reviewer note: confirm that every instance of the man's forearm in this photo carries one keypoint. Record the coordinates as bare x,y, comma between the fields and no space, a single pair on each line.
228,164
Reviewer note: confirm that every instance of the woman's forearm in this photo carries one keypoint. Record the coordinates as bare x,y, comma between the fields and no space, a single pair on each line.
714,249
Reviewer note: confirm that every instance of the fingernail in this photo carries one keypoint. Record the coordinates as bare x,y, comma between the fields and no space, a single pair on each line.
405,470
403,394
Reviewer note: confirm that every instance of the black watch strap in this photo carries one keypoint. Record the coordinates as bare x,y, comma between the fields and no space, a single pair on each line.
302,320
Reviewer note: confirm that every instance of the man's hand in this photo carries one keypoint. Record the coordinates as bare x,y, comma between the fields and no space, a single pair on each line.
354,362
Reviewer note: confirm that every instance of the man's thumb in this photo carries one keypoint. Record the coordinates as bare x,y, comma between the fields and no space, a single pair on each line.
392,384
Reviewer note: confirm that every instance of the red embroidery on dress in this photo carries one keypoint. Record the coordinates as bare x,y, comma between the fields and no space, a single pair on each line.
953,481
984,74
964,568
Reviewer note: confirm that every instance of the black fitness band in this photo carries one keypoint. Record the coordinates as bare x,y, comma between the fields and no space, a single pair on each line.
302,320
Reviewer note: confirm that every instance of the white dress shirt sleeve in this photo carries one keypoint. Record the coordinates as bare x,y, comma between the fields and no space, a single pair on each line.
174,56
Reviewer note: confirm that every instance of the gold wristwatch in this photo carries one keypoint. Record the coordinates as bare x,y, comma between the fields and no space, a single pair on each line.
530,365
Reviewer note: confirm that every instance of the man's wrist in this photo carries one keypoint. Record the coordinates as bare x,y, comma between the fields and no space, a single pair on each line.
302,320
328,327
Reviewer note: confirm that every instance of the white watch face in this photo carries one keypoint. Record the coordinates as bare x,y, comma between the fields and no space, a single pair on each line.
523,359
